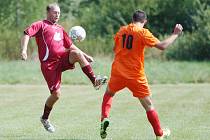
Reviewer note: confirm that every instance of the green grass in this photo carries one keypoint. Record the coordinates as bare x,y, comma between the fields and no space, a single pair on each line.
184,108
29,72
178,72
158,72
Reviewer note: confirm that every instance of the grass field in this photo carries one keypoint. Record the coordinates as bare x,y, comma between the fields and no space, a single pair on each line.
158,72
184,108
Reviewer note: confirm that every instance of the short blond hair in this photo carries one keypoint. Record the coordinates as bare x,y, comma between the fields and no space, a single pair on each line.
51,5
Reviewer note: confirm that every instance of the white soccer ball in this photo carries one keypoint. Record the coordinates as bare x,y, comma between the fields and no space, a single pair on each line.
77,33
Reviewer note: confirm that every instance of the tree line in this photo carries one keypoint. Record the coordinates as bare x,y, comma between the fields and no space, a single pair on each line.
102,19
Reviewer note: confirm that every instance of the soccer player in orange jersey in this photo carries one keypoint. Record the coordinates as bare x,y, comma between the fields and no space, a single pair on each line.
128,69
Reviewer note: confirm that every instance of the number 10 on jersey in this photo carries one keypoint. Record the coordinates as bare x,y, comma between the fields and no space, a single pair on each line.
127,41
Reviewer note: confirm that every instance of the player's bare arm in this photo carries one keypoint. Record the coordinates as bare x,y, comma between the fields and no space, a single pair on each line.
165,43
24,44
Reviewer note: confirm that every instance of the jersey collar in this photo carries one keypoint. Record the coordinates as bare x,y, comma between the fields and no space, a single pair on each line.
50,22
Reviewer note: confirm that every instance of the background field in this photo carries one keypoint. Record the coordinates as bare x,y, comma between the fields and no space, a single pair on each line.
184,108
158,72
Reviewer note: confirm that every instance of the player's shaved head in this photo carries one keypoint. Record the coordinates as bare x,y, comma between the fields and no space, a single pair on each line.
139,16
51,6
53,12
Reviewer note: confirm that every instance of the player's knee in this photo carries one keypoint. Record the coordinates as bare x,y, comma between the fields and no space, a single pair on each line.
109,93
76,55
56,95
147,103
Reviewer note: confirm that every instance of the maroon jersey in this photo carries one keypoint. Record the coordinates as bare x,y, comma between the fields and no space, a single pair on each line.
52,41
50,38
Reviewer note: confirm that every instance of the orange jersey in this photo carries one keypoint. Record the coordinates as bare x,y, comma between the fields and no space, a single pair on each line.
130,42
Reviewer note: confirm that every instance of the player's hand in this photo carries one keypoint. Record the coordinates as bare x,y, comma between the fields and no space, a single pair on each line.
178,29
24,56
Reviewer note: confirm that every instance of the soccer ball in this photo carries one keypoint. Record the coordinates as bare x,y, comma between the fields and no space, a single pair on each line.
77,33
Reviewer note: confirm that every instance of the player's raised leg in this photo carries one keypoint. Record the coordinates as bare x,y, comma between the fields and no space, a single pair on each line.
52,99
78,56
153,118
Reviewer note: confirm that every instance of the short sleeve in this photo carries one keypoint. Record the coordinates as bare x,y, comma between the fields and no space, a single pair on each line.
116,37
33,29
116,40
149,39
67,40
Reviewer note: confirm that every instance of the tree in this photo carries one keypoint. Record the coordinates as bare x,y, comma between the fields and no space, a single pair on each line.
15,15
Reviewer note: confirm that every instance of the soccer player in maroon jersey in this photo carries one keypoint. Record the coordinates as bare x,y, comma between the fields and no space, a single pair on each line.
57,53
